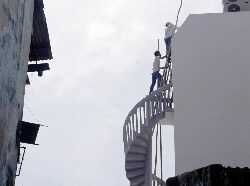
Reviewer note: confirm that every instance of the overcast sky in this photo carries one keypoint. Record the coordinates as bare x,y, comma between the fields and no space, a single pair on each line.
103,52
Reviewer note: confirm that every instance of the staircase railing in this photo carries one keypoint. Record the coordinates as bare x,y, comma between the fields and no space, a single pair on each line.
148,112
145,114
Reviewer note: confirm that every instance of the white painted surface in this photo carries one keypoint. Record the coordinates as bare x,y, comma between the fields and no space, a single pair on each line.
212,94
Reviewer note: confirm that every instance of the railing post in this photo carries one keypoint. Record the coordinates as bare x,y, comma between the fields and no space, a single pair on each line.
148,112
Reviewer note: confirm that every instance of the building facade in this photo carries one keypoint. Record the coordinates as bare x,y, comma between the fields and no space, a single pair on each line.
17,19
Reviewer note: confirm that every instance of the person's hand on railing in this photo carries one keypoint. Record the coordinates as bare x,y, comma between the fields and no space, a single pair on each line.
163,57
165,67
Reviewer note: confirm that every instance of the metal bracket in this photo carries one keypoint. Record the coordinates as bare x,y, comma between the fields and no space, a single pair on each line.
21,163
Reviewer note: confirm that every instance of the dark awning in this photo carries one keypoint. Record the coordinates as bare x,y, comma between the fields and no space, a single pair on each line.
40,48
28,132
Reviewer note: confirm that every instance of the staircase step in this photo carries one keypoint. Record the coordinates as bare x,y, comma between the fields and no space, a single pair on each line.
137,181
135,173
169,110
141,184
134,165
132,157
144,136
138,149
141,142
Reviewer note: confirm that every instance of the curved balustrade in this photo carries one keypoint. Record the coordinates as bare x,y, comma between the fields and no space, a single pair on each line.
146,114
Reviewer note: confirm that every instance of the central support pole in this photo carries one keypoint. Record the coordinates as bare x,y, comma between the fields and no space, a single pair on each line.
148,174
148,166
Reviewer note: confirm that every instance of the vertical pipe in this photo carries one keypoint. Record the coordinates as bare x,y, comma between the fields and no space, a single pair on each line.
158,44
161,150
148,172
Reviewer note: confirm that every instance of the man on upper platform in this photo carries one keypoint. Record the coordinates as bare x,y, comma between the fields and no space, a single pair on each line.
169,32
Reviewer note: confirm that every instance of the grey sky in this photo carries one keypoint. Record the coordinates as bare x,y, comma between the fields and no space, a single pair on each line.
101,69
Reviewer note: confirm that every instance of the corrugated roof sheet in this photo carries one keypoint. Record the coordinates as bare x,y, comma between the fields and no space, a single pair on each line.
40,48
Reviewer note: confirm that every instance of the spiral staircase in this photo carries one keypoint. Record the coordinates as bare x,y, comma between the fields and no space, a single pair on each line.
138,131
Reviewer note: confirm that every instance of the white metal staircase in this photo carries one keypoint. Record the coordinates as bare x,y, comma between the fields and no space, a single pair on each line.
138,130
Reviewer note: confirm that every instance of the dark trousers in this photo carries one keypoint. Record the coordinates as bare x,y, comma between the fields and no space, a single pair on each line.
155,76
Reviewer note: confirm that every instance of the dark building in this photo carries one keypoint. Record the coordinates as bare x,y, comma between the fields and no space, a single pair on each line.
213,175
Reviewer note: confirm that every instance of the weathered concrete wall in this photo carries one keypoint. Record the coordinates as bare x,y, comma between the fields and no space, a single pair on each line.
211,58
15,32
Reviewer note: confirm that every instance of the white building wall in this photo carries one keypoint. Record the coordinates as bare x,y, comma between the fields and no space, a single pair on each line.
211,58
